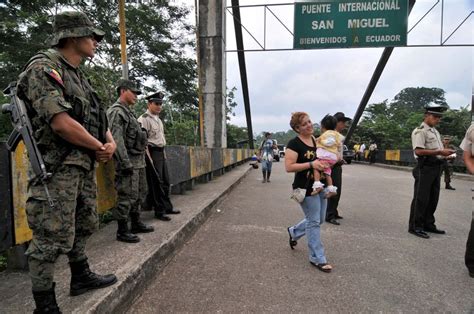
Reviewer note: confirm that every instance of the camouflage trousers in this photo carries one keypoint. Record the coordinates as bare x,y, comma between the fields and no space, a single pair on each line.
131,193
448,172
64,229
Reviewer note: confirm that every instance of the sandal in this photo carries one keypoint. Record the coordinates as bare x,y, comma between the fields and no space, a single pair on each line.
324,267
292,242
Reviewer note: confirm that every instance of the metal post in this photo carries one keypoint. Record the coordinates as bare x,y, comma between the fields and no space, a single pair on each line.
372,84
123,39
242,67
198,61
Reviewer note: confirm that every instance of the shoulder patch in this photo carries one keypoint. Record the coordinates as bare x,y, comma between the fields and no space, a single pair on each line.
54,75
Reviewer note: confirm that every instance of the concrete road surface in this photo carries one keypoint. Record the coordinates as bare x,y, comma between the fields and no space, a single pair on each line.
240,261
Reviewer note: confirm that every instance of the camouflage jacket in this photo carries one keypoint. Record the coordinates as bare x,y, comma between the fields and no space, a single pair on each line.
130,138
50,85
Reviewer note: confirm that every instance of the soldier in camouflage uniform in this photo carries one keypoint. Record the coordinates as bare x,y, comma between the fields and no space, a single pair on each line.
448,164
70,127
130,177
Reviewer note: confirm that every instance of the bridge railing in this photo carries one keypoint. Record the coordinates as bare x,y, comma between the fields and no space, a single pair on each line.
405,157
187,165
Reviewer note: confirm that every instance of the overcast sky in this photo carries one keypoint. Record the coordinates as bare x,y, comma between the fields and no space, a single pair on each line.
331,80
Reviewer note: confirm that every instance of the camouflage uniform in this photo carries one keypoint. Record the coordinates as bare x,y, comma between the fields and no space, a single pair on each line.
50,85
130,154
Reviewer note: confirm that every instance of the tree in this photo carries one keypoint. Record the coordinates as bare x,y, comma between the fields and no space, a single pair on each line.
390,124
159,40
415,98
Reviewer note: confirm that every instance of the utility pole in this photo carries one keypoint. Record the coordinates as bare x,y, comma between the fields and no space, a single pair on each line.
123,39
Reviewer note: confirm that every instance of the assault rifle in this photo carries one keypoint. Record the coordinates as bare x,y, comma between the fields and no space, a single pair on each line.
22,130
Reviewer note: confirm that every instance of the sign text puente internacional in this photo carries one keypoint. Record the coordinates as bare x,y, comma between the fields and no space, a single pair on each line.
350,23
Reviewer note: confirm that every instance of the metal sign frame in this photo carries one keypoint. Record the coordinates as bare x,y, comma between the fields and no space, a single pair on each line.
268,8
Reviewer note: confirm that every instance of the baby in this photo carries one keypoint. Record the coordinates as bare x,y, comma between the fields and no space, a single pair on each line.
328,149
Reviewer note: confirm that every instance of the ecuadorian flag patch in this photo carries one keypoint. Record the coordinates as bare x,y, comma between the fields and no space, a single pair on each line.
54,75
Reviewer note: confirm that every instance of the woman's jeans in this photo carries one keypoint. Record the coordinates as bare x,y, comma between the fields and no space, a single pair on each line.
266,165
314,208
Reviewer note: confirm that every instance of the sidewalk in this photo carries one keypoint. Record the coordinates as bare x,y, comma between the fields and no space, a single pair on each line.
456,175
135,265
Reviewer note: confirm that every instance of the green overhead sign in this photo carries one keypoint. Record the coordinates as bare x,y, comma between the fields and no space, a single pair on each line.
350,23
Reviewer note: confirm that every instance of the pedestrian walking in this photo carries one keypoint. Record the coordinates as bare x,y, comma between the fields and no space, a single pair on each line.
372,152
448,164
300,158
362,152
70,127
130,177
157,173
332,215
266,156
468,146
430,156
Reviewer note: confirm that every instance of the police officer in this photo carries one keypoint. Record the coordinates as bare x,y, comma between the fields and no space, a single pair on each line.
70,128
130,177
448,164
468,147
430,155
332,214
152,123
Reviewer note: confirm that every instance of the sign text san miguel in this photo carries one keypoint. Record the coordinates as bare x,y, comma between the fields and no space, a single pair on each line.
350,23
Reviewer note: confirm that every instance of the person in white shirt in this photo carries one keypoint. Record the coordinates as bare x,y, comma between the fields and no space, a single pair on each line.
159,186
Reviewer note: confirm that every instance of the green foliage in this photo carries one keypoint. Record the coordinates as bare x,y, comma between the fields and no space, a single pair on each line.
236,134
390,124
5,124
157,37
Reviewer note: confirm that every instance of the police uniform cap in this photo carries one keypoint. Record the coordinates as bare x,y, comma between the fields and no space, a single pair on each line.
127,84
156,97
341,117
73,24
436,109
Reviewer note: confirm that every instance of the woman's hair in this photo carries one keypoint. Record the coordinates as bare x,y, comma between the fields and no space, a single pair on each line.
296,118
329,122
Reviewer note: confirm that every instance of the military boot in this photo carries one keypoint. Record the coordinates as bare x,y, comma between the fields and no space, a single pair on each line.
138,226
83,279
449,187
46,301
123,233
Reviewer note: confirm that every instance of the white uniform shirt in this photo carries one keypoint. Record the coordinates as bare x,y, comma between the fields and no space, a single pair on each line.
467,142
154,126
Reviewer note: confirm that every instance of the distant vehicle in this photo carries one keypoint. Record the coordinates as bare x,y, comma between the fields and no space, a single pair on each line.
347,154
281,148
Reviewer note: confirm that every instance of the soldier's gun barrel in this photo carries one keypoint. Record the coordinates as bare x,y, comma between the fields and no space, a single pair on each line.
22,130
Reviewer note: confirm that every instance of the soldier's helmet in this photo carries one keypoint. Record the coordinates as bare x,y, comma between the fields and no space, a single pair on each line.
435,108
73,24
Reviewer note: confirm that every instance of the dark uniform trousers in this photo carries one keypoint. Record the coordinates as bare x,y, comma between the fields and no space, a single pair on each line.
469,258
333,202
163,200
425,197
